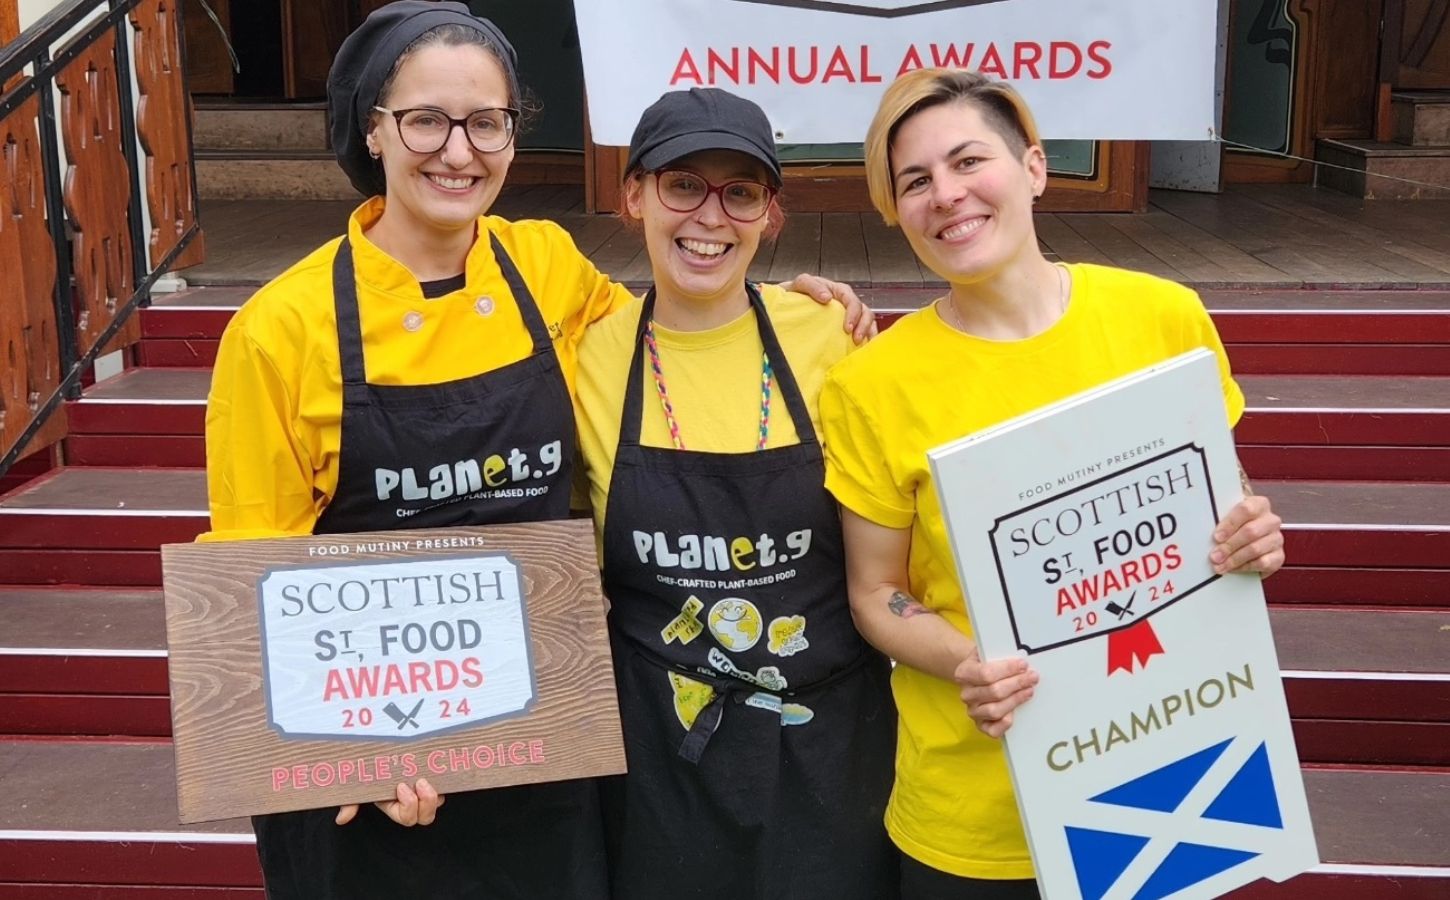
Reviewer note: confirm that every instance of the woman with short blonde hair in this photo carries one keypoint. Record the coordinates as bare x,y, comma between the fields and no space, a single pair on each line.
954,159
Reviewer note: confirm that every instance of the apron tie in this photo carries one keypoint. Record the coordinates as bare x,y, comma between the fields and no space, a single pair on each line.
706,723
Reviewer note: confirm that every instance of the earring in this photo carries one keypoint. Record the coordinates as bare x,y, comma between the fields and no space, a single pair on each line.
1035,198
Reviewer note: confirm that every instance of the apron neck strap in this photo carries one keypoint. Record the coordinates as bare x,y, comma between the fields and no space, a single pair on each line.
631,421
794,401
349,329
523,297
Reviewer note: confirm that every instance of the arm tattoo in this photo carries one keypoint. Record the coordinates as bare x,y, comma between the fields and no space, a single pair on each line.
1244,481
905,607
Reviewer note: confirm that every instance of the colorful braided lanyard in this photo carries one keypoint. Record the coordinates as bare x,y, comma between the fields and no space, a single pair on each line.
766,377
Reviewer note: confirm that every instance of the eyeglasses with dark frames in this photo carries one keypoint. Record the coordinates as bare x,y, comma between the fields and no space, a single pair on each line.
424,129
684,191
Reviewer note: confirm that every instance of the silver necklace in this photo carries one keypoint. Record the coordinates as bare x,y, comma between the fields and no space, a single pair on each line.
956,321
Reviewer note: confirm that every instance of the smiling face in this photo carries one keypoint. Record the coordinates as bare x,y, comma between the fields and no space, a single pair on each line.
699,256
450,188
963,196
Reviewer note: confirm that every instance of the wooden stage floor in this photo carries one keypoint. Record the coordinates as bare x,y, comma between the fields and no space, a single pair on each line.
1257,237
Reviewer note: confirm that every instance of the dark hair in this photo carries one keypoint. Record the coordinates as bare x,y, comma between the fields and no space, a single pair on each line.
456,35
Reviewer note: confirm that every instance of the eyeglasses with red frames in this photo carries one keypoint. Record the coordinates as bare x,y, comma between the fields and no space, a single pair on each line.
684,191
424,129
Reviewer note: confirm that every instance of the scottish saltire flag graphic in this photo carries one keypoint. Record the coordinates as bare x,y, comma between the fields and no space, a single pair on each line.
1197,825
1155,758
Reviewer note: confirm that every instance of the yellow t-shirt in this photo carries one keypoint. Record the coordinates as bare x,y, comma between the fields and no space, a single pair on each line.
713,378
273,418
920,385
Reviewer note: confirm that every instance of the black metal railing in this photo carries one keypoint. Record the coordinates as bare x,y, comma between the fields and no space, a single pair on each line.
32,55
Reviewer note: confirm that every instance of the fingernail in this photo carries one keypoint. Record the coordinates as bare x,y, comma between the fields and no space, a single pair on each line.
1219,536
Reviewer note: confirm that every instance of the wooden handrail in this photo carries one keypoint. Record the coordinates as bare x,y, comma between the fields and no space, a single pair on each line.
73,237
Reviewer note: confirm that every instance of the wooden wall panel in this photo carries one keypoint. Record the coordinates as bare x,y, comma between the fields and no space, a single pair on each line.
162,113
1346,55
208,65
312,31
1424,46
9,20
1249,167
1335,90
29,351
97,191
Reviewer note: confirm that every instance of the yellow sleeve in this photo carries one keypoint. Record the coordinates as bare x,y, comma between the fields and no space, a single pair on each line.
601,295
857,469
258,475
1199,331
604,358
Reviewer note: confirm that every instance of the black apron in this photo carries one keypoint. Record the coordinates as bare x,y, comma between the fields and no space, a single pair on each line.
727,571
514,843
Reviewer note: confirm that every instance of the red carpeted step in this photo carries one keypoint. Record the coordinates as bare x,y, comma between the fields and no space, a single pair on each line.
91,568
1402,333
143,401
1381,836
139,450
1367,686
124,892
1361,523
87,508
83,663
1324,463
1367,586
1334,332
109,819
1333,410
131,716
200,312
1242,317
143,417
27,469
182,353
1294,426
1330,317
1338,427
182,329
1331,359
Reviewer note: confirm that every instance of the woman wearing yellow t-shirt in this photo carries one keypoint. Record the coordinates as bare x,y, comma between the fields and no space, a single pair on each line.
954,159
758,724
347,391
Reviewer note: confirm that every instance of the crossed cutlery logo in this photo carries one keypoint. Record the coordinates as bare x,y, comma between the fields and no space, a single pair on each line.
395,713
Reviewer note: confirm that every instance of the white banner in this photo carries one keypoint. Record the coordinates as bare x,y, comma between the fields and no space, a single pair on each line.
1090,69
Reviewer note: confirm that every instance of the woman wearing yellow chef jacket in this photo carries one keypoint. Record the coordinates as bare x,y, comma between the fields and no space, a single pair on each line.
954,159
347,390
758,724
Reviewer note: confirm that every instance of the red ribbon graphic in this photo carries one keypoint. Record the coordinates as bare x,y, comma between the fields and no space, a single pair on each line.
1136,644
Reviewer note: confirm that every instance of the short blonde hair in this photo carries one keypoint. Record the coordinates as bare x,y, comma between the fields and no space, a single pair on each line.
999,103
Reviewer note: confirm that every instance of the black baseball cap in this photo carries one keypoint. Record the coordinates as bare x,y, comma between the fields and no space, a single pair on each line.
683,122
